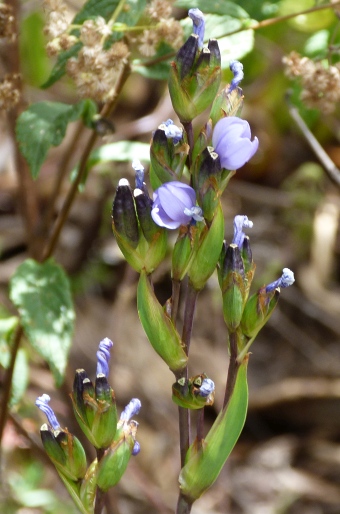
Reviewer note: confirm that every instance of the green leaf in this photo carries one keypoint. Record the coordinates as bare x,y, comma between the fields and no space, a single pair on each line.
214,7
203,467
7,328
44,125
34,61
20,377
59,69
121,151
41,292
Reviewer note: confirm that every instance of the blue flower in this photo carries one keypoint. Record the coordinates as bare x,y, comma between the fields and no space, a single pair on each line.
42,403
139,175
206,388
231,140
132,409
286,280
174,204
172,131
240,222
199,24
237,68
103,356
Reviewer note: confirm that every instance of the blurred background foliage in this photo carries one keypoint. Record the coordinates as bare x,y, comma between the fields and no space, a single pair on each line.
288,459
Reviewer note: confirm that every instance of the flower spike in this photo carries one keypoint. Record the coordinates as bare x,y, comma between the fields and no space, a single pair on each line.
42,403
103,356
199,24
286,280
240,222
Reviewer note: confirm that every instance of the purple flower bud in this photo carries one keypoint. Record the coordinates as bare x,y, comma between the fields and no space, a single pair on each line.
199,24
42,403
286,280
231,140
139,175
174,204
103,356
206,388
132,409
172,131
240,222
136,448
237,68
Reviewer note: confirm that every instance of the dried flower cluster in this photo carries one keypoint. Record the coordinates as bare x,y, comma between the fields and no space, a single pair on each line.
7,22
94,69
9,91
321,83
166,28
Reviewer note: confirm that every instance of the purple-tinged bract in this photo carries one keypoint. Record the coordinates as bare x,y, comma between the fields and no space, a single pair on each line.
231,140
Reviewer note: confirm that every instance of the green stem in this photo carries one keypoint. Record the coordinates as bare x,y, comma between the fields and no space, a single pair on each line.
233,367
183,505
176,289
7,383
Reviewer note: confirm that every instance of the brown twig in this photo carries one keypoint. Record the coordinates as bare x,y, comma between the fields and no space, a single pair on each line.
233,368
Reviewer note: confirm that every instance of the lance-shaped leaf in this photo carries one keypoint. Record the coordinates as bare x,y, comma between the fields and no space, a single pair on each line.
202,467
160,330
41,292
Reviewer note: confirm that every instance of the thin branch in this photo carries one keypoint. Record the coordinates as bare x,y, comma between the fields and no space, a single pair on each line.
106,111
326,161
7,383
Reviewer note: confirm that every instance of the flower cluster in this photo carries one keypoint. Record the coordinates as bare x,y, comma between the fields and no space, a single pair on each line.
9,91
320,82
7,22
94,69
166,28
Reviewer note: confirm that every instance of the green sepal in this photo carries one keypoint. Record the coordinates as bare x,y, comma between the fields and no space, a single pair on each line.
113,464
65,451
208,251
124,217
226,104
202,141
104,424
167,160
158,327
185,393
234,286
194,78
203,466
183,251
84,404
88,487
257,312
